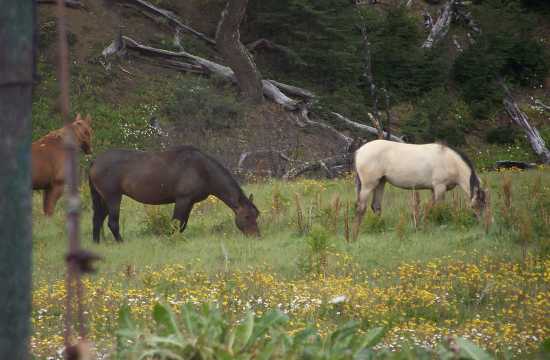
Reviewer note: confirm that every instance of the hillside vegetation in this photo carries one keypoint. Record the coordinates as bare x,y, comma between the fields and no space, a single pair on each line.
443,93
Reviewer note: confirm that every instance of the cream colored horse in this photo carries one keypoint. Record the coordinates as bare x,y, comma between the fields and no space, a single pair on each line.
430,166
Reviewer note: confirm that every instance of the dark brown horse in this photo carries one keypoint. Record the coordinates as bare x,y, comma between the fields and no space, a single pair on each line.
48,159
183,175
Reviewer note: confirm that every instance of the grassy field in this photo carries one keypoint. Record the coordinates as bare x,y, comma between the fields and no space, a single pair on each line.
423,272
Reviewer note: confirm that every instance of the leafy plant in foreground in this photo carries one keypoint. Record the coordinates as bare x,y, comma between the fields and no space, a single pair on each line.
206,333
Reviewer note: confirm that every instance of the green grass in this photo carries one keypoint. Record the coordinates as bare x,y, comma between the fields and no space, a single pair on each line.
448,275
281,248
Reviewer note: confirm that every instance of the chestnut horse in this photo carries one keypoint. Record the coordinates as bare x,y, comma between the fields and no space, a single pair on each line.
430,166
182,175
48,159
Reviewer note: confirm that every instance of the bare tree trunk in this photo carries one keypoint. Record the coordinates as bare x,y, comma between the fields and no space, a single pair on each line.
367,74
521,119
236,55
16,78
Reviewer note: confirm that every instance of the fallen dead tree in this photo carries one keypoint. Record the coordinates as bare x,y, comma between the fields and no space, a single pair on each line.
172,18
366,128
520,118
441,26
331,166
273,90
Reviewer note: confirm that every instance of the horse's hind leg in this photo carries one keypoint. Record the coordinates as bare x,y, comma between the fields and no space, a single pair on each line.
361,207
376,204
113,205
100,213
182,209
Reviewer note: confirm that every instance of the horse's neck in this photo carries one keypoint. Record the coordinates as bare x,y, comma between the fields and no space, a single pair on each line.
229,194
464,177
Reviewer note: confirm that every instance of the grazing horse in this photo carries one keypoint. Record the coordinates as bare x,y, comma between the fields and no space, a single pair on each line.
430,166
182,175
48,159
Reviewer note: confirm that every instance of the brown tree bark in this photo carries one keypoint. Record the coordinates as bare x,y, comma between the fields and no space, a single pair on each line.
236,55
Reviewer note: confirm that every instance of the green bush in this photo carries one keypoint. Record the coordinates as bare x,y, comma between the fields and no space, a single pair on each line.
501,135
198,105
438,117
505,48
158,221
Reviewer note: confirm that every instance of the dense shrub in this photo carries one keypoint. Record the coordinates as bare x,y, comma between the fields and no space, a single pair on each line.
505,48
501,135
438,117
197,104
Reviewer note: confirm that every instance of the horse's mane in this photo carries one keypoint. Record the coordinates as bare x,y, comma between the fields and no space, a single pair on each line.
462,155
223,169
474,181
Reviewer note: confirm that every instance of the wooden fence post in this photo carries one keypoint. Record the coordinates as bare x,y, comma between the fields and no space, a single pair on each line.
16,78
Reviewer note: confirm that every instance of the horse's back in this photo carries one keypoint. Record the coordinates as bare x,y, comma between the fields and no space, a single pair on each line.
404,165
147,177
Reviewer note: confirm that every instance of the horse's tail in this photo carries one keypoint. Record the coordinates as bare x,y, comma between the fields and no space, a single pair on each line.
357,178
98,203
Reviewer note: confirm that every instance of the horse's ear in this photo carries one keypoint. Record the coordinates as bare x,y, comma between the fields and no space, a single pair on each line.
78,117
251,197
88,119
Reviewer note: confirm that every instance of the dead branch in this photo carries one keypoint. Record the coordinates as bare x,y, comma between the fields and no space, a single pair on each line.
542,105
244,156
270,45
367,74
441,26
293,90
170,16
329,166
366,128
389,121
304,116
520,118
428,20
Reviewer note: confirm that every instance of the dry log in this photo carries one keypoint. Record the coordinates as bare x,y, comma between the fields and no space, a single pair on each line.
170,16
330,166
520,118
508,164
293,90
366,128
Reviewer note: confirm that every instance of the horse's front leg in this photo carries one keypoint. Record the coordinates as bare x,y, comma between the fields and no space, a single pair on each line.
182,209
361,207
51,196
438,192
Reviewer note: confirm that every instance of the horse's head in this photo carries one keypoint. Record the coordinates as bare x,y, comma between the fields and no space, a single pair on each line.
82,128
479,200
246,216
